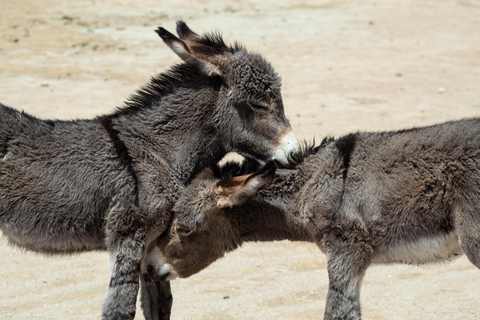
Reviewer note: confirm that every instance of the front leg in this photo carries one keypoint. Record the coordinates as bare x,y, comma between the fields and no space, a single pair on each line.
156,297
347,263
126,238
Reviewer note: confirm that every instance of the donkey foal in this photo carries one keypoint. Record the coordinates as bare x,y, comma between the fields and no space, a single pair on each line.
408,196
109,183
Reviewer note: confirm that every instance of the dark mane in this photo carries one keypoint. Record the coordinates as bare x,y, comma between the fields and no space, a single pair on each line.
215,40
307,149
160,85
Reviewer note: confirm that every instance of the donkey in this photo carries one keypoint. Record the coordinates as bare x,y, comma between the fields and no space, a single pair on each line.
409,196
109,183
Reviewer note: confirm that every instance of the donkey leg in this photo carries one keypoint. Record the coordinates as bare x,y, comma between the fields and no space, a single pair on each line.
156,295
126,238
346,269
467,225
156,298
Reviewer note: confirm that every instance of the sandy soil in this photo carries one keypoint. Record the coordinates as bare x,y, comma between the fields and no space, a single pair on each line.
346,66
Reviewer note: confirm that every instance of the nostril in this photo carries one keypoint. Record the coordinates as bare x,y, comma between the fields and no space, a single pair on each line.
147,278
149,268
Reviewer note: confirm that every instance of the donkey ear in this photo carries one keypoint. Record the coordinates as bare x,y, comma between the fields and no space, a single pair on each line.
235,191
185,33
202,56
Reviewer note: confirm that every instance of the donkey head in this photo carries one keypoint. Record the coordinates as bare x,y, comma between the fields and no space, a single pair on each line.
203,229
247,115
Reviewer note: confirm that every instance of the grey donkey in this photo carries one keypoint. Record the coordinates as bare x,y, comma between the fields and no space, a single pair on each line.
410,196
109,183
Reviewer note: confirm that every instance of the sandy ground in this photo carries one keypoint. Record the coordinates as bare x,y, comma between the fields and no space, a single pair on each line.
346,66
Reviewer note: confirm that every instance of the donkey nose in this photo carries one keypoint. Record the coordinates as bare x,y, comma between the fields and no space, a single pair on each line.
147,278
150,268
288,145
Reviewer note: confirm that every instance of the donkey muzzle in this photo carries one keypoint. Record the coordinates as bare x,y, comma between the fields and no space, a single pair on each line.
288,145
166,273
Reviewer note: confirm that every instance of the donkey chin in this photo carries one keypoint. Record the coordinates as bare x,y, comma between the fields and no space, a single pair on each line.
288,146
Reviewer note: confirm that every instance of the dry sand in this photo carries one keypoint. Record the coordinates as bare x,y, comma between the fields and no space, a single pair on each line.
346,66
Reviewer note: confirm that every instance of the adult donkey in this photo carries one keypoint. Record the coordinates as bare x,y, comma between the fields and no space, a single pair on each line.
110,182
407,196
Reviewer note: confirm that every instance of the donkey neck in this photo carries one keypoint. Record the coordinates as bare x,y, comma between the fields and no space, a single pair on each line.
170,123
280,210
261,221
274,213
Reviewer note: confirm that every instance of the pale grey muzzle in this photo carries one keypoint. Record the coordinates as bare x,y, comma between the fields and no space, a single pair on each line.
288,145
167,273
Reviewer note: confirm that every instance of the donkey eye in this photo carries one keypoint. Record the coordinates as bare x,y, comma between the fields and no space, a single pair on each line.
258,106
183,231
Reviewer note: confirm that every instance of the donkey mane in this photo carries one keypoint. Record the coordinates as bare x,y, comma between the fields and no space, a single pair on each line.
215,40
308,148
160,85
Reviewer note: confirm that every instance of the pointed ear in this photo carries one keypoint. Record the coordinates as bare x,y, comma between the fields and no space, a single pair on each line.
185,33
237,190
204,57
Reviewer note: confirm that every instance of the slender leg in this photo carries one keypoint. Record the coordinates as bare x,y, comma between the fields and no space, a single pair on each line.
467,224
347,264
156,297
126,237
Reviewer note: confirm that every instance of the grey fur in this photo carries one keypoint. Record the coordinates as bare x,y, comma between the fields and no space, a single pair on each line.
408,196
109,183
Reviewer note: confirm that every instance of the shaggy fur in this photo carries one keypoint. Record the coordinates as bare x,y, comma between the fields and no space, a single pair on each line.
408,196
109,183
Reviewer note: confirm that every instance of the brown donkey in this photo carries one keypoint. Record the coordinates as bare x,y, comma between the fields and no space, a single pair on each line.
109,183
410,196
